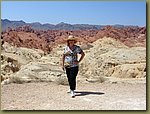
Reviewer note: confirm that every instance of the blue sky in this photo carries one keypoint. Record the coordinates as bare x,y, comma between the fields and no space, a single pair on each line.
98,12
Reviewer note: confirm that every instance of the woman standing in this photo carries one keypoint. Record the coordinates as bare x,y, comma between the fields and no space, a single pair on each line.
70,62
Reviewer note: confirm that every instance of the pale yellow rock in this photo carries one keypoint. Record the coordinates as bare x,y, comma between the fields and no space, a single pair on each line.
105,59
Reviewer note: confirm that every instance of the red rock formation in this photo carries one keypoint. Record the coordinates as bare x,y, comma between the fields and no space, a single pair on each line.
27,37
130,36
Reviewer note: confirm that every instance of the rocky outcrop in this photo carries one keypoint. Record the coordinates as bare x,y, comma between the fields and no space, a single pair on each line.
110,52
45,40
110,58
38,72
8,66
130,36
13,58
25,39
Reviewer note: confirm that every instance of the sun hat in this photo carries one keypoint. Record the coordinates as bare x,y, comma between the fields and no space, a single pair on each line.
71,37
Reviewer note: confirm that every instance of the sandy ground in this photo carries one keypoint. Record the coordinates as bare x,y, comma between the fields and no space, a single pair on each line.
89,96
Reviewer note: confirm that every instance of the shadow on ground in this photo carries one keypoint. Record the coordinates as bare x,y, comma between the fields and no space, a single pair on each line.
83,93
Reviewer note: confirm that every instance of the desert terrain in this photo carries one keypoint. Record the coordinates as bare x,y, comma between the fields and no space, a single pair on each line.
112,75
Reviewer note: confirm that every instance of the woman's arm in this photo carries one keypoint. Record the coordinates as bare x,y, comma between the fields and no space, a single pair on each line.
63,59
82,56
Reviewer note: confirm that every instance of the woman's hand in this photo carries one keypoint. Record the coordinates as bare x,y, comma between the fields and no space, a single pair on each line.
63,67
82,56
76,62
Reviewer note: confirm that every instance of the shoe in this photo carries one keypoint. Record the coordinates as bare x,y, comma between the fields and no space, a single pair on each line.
69,91
72,93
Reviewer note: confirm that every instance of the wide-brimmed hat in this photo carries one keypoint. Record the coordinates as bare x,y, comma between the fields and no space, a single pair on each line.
71,37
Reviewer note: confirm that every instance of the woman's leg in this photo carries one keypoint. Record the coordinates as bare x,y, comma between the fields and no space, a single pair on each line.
73,75
68,75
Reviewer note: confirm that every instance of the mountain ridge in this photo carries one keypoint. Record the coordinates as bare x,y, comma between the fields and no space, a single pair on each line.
60,26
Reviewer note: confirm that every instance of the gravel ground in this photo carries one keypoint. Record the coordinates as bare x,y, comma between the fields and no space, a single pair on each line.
89,96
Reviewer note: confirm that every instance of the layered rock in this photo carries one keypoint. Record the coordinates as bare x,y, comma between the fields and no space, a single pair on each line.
46,40
110,52
25,39
13,58
110,58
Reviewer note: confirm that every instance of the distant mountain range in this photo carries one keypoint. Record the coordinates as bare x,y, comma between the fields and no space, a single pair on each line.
61,26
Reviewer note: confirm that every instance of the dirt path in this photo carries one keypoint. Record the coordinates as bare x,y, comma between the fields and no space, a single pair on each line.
89,96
